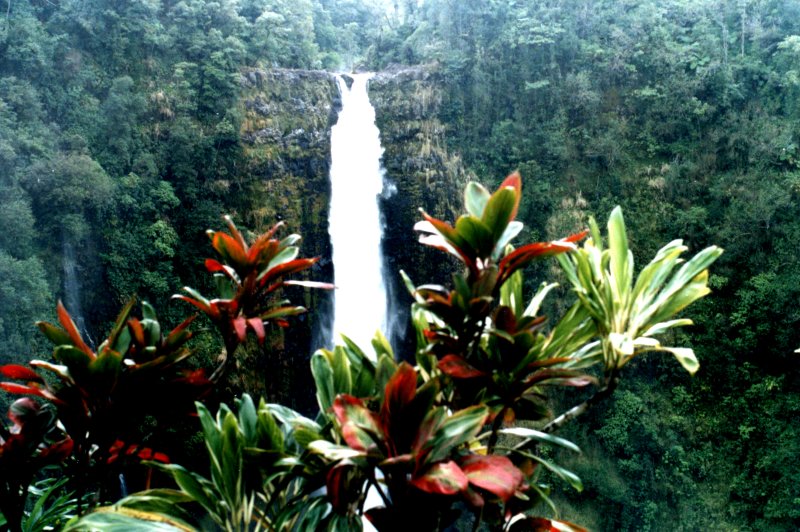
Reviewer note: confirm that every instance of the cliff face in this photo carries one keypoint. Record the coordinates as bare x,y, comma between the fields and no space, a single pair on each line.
287,118
422,173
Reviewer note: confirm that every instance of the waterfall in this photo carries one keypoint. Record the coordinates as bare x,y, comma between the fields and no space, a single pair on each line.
72,289
355,225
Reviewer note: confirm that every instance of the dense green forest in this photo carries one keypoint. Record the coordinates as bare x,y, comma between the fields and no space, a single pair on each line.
120,142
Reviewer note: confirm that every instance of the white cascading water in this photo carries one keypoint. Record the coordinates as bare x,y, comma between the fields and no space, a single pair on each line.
355,225
72,289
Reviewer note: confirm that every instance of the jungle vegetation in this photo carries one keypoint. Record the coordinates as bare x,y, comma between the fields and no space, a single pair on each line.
119,137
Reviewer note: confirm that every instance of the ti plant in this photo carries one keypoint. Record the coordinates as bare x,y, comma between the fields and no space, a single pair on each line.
480,335
627,315
421,447
255,475
100,396
246,281
421,452
33,441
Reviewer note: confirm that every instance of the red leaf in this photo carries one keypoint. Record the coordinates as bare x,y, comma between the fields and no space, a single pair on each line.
263,251
69,326
430,424
240,326
215,266
235,232
137,330
447,236
576,237
360,427
116,447
287,268
399,391
548,362
458,368
229,248
514,181
160,457
213,312
339,482
195,377
21,389
15,371
145,454
258,328
59,451
444,478
493,473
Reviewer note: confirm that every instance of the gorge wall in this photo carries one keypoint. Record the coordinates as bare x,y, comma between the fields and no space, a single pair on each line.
287,116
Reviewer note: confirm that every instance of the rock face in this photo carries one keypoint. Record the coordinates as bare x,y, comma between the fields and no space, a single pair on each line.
287,118
421,172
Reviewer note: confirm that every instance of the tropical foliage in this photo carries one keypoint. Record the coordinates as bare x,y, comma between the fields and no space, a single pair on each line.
460,437
127,127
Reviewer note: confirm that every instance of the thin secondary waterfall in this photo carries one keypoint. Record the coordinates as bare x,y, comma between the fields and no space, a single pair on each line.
355,224
72,289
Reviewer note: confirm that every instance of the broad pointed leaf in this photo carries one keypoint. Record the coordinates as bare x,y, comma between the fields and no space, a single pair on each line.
444,478
17,372
475,198
493,473
72,330
360,427
458,368
399,391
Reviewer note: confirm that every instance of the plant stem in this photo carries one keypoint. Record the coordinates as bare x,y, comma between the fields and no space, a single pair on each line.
478,519
231,344
384,497
611,384
496,424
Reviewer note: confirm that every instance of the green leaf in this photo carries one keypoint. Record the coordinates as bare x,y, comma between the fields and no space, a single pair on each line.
248,419
512,230
76,360
476,234
285,255
498,211
55,334
269,433
342,376
105,369
162,501
564,474
454,431
287,416
382,346
536,303
621,259
193,485
333,452
686,358
538,436
475,198
323,378
127,520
